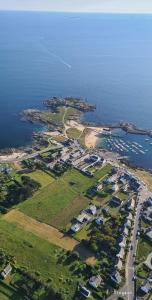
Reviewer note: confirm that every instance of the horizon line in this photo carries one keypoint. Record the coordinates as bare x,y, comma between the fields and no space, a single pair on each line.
79,12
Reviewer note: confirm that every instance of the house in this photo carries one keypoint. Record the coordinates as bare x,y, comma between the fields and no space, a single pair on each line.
145,288
75,228
116,277
125,232
83,217
119,264
147,215
148,202
129,217
128,224
116,187
105,211
149,235
95,281
99,187
131,204
92,210
6,271
99,221
121,253
122,244
115,201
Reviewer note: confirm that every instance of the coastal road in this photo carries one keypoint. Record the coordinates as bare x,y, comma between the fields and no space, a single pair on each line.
128,290
28,156
129,287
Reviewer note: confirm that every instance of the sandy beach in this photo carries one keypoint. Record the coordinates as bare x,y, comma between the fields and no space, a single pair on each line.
92,136
12,156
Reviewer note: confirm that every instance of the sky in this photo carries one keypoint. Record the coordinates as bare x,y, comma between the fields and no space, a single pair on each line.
124,6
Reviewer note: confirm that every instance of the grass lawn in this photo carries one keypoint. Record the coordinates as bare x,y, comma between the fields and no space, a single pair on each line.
144,248
99,174
41,177
122,196
84,233
143,272
36,255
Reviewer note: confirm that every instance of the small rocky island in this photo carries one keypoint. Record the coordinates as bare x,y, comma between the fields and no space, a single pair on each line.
77,103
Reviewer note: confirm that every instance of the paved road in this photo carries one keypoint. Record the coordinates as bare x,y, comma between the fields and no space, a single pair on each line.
128,290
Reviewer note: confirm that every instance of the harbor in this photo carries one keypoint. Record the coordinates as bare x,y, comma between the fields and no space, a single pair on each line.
136,148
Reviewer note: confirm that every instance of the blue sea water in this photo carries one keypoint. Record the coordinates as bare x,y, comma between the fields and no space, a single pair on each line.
105,58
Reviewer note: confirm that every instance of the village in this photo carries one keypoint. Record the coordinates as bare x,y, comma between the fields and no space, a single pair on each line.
107,223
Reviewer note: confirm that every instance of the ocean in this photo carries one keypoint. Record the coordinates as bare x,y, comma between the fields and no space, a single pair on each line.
106,58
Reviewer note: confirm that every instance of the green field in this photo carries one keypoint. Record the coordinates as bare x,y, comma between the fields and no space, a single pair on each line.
57,203
38,257
73,133
49,201
41,177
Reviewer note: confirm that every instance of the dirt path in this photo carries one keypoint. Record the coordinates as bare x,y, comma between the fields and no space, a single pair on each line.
49,233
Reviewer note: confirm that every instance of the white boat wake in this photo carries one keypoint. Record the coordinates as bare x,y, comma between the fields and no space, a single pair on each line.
59,58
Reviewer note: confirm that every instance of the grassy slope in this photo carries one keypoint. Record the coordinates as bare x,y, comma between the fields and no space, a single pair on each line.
36,256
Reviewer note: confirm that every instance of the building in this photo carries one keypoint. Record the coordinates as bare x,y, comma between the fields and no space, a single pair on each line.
105,211
128,224
95,281
83,217
122,244
147,215
6,271
115,201
121,253
129,217
75,228
92,210
119,265
149,235
125,232
131,204
99,221
116,277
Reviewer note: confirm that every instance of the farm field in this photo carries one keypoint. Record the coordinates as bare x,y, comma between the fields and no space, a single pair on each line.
57,203
37,257
46,204
41,177
48,233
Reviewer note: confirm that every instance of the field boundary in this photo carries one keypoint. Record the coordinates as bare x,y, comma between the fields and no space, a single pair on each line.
49,233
